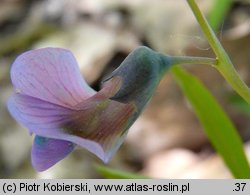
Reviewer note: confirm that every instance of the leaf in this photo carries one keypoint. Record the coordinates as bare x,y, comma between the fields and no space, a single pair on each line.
218,12
240,104
110,173
217,125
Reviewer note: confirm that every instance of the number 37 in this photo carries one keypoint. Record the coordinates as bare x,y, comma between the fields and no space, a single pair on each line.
239,186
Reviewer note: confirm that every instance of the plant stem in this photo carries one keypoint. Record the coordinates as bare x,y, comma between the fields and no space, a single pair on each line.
224,64
177,60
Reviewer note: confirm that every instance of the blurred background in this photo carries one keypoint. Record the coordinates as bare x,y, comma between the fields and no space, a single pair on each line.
167,140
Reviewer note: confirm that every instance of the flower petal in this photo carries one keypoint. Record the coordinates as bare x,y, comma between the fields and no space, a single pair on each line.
45,119
46,152
97,124
102,120
35,113
50,74
57,105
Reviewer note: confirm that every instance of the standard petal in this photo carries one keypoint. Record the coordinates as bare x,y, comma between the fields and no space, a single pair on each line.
50,74
46,152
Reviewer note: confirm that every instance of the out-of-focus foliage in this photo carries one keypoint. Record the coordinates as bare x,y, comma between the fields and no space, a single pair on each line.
111,173
218,12
218,127
240,104
23,38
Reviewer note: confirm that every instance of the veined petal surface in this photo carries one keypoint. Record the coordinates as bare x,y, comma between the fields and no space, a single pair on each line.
98,124
50,74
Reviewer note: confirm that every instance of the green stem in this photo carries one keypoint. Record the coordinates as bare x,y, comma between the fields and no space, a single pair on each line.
178,60
224,64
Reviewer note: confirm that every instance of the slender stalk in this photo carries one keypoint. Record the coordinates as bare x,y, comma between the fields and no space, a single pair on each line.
177,60
224,64
168,60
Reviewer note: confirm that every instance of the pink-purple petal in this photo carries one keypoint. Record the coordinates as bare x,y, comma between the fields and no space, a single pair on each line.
35,113
55,103
98,124
46,119
46,152
50,74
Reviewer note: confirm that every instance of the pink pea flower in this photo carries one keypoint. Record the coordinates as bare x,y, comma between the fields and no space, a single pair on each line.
55,103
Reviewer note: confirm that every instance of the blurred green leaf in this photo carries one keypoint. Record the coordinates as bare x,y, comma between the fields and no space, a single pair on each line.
23,38
240,104
110,173
218,13
218,127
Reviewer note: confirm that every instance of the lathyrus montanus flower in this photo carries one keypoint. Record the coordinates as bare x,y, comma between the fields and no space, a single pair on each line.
55,103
